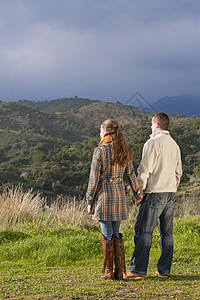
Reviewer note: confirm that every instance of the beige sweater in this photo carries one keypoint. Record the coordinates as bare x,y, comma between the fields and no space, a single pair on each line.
160,169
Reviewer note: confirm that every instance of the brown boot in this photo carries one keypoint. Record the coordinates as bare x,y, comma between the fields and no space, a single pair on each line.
119,257
108,247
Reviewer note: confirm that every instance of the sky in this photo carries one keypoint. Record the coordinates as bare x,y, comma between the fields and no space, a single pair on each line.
99,49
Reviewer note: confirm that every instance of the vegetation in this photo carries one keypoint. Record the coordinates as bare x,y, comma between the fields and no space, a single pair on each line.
66,264
24,209
58,105
55,252
48,145
21,210
52,249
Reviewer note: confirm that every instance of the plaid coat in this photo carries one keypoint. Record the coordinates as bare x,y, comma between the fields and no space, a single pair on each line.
106,187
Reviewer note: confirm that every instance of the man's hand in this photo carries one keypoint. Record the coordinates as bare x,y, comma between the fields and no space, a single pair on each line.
137,202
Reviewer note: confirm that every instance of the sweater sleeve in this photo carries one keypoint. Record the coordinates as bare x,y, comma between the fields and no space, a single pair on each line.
147,164
94,176
178,169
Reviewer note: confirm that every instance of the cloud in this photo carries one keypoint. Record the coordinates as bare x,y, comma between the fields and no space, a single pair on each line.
99,49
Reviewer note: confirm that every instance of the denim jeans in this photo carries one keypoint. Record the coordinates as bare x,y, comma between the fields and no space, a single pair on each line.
108,228
155,207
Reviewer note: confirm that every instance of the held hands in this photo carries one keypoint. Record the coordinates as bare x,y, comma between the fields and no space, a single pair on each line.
90,210
138,201
141,196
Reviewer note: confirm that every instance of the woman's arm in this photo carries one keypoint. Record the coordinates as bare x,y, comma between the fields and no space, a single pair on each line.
94,176
137,190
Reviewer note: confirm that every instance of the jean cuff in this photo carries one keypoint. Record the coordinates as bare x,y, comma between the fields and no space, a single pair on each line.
140,273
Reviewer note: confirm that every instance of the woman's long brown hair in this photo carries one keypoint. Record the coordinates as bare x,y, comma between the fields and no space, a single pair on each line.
121,152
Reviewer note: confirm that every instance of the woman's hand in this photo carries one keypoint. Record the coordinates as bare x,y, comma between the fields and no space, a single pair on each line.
90,212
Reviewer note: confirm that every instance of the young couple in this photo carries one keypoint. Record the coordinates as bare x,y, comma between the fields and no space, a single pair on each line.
154,190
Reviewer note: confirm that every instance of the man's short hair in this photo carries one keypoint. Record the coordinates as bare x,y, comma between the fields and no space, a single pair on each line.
162,119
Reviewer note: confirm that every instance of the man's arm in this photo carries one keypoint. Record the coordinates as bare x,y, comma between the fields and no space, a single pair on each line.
147,164
178,169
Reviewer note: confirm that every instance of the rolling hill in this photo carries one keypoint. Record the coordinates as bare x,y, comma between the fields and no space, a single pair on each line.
49,146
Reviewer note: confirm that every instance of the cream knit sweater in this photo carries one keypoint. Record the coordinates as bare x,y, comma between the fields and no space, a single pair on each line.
160,169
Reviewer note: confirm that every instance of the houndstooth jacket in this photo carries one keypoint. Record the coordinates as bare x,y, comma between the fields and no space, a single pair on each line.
106,187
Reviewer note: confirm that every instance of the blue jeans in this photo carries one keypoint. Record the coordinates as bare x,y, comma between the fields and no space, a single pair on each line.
155,207
108,228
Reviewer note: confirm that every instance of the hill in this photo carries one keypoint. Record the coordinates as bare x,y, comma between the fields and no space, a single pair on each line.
59,105
183,105
52,151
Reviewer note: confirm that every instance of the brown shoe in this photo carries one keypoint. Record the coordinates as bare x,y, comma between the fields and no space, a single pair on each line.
132,276
108,252
160,275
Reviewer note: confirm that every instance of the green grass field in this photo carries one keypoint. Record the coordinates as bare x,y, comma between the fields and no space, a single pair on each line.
67,263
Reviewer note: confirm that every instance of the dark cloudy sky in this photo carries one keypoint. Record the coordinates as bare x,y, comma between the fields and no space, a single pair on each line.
99,49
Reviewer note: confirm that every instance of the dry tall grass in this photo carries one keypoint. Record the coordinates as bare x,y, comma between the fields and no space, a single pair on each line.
187,204
68,212
26,209
19,208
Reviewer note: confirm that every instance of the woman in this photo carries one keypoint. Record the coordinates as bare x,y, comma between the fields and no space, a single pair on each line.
106,193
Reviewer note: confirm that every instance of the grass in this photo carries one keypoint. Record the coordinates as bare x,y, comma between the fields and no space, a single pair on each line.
67,263
81,281
55,252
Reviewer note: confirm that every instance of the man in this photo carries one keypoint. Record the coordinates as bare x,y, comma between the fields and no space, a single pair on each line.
159,174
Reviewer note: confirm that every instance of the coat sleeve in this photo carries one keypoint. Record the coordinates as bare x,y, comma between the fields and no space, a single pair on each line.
94,176
137,190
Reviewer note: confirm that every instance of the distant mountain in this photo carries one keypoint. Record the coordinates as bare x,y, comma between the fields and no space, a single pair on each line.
184,105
